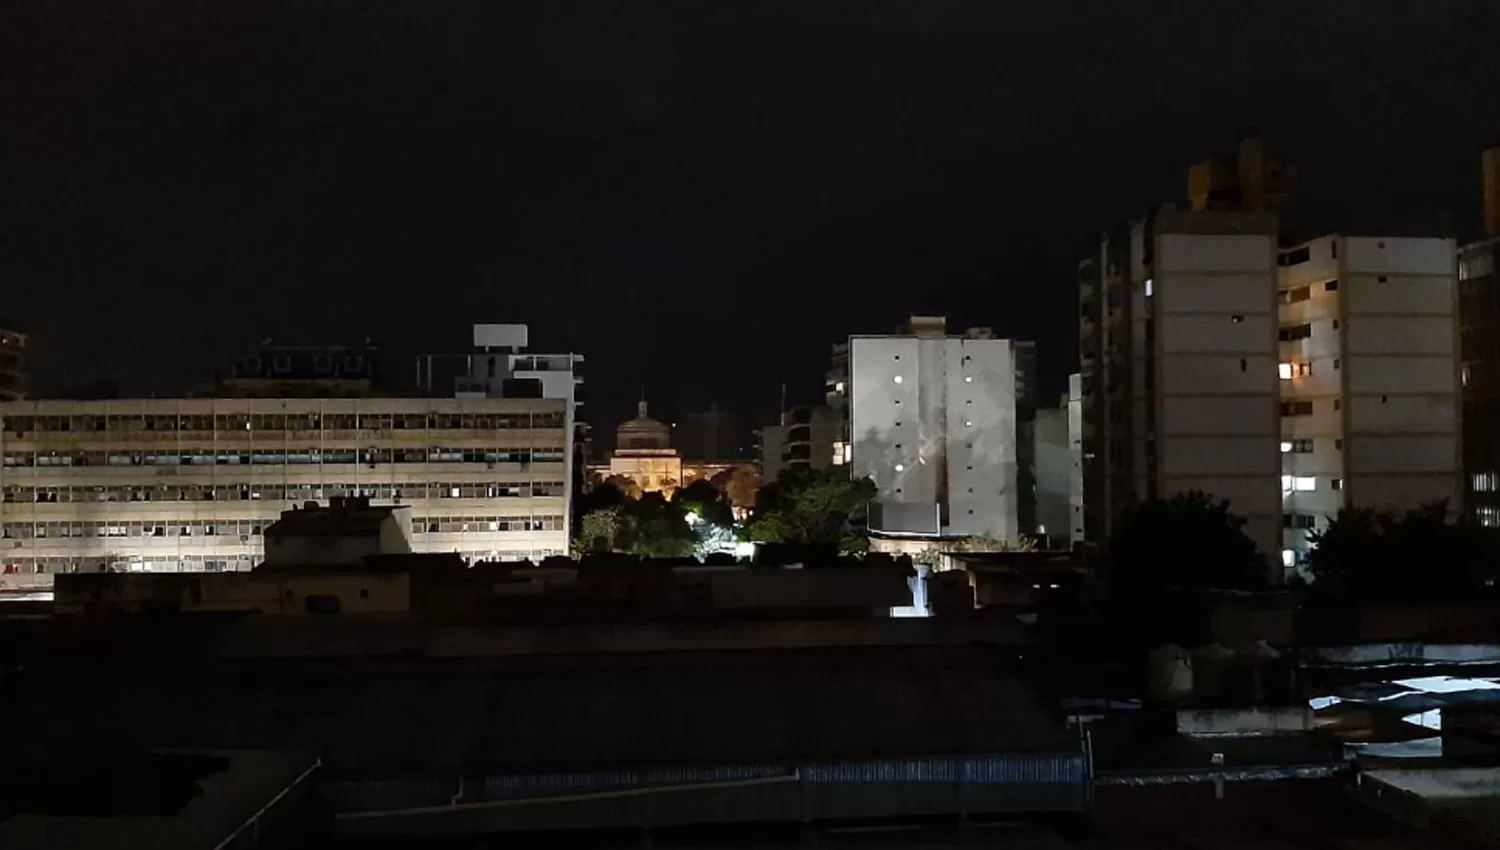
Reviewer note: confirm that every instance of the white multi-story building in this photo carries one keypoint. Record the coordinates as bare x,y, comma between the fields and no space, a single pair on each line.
191,484
941,424
1370,379
1178,390
1075,460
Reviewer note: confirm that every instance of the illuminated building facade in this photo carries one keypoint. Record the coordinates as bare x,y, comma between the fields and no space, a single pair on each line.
191,484
644,454
942,425
1369,374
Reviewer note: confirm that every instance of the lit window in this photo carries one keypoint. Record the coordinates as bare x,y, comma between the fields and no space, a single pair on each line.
838,387
897,379
1289,557
1148,287
900,468
1284,370
968,423
1489,516
1304,483
848,452
968,379
1484,482
1285,446
1288,371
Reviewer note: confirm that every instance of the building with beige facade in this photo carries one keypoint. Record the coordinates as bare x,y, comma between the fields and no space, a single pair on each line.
192,484
1370,380
644,454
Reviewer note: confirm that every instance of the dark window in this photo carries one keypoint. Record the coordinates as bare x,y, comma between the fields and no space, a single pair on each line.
1295,332
1331,286
1292,258
1296,408
1293,296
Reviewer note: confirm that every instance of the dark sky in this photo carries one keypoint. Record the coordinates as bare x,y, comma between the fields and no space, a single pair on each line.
699,196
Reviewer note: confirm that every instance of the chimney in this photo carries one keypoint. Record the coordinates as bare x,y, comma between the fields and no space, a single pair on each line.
1489,163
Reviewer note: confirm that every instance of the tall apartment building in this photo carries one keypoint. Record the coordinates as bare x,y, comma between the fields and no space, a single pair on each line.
1369,374
191,484
13,372
1479,334
1075,460
807,437
1178,353
941,424
500,367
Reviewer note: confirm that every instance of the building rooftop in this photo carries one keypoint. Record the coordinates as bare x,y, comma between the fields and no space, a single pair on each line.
343,517
143,799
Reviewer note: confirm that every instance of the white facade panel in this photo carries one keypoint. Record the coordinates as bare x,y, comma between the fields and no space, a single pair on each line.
1403,414
1226,416
1208,293
1212,334
1193,252
1216,374
1399,255
1380,334
1375,375
1400,295
1187,456
1374,455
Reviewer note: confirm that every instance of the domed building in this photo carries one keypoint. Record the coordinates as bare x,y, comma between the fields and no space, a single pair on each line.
644,454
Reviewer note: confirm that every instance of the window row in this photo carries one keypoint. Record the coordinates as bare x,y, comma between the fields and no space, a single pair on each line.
254,528
283,422
1307,484
113,564
282,457
280,492
150,528
450,524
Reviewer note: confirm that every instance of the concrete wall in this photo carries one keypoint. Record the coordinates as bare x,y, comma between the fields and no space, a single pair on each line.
1217,430
933,421
279,594
1054,468
1075,460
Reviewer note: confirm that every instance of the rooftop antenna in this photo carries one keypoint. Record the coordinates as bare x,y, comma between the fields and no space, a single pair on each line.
783,403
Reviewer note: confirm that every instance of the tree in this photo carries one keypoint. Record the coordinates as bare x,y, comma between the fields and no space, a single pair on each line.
739,485
649,527
812,506
1383,556
659,529
707,501
625,485
1189,540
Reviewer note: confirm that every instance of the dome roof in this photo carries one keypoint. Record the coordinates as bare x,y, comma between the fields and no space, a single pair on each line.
643,432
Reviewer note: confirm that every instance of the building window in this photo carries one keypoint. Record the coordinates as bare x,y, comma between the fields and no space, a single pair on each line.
1298,484
1296,408
1483,482
1489,516
1299,521
1297,295
1336,484
1300,447
1331,286
1288,371
1295,332
1295,256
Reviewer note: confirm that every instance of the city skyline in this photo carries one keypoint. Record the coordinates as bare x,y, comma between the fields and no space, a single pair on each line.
669,223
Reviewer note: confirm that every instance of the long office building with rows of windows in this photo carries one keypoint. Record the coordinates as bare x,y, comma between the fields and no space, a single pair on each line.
190,484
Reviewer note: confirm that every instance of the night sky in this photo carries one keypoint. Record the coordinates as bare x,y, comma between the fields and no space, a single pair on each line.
700,196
